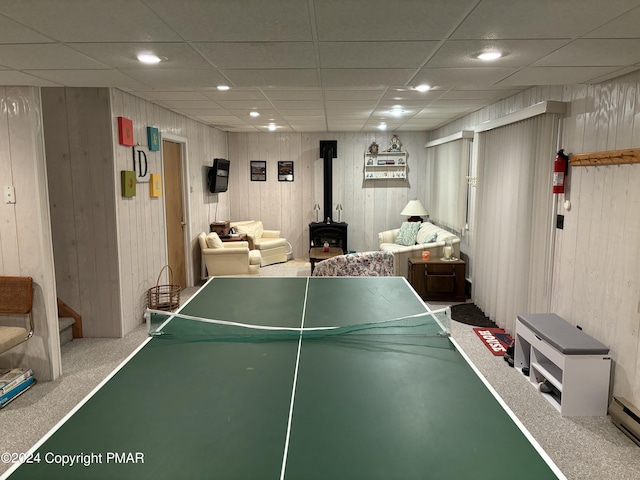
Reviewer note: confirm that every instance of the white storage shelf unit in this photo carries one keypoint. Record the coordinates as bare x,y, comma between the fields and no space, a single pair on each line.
385,166
577,365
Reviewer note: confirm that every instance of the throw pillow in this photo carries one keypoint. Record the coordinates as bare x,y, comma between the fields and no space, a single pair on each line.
255,229
432,238
408,233
213,240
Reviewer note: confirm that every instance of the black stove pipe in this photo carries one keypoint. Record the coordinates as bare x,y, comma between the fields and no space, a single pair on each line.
328,151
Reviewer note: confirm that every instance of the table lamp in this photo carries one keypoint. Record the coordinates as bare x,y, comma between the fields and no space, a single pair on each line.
414,210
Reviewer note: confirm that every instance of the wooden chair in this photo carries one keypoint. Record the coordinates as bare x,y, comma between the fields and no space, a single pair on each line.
16,297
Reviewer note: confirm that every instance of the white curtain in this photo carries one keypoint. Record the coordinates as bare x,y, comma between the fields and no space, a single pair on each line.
514,218
447,195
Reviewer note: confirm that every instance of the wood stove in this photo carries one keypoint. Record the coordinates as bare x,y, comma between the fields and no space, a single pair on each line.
333,233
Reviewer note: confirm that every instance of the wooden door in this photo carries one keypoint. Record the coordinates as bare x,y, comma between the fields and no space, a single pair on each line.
174,211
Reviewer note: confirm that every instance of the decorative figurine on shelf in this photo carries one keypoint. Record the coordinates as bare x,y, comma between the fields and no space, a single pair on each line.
394,144
373,148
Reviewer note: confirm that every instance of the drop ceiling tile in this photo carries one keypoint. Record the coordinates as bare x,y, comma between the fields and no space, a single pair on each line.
298,104
11,77
245,104
244,113
178,95
192,104
375,54
449,77
233,94
99,21
625,26
524,19
273,78
519,53
45,56
220,119
90,78
346,77
176,77
12,32
236,55
595,52
125,55
383,20
200,112
351,105
294,94
246,20
354,94
555,75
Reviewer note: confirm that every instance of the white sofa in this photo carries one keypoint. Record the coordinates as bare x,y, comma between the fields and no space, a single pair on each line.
272,248
430,237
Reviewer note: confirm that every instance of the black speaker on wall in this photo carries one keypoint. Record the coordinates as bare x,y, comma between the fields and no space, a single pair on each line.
219,175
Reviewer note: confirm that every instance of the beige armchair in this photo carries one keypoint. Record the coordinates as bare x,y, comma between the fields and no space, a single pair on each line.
228,258
272,248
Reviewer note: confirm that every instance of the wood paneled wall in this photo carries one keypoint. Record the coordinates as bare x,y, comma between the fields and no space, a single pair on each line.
142,243
368,207
25,229
79,148
596,274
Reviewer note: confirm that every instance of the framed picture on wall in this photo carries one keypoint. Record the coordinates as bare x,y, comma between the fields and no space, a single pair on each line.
285,171
258,171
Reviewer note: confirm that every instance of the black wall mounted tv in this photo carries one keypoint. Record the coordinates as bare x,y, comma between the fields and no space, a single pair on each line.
219,175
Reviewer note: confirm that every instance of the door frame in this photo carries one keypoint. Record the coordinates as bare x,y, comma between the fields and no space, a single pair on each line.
186,205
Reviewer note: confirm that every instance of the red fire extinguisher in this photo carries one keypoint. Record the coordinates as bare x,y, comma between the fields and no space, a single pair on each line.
560,171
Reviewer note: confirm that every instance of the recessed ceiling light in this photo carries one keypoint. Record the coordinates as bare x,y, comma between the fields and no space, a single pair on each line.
149,58
423,88
272,127
223,88
489,55
253,113
382,126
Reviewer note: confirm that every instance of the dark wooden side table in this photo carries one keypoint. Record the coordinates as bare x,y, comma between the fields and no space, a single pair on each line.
438,280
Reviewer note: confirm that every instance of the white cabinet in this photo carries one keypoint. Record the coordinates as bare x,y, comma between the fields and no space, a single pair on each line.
581,382
385,166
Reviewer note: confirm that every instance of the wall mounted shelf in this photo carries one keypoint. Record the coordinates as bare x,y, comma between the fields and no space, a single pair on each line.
385,166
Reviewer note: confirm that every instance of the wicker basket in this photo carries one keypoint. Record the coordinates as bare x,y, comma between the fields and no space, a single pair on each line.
164,297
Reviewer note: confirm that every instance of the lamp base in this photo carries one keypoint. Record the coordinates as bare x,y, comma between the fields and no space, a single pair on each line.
414,219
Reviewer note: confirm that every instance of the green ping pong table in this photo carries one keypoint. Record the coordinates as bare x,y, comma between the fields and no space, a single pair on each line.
327,407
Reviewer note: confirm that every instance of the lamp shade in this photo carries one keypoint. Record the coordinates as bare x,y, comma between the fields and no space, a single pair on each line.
414,210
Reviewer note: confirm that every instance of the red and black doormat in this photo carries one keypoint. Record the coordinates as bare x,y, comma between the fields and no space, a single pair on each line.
495,339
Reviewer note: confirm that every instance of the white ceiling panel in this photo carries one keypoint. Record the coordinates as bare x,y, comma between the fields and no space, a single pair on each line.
90,20
367,77
595,52
480,76
11,77
555,75
524,19
460,53
13,32
89,78
45,56
313,65
375,54
125,55
353,20
233,20
271,78
258,54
